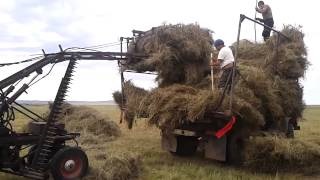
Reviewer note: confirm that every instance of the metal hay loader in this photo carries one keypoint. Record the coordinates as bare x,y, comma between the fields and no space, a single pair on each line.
46,139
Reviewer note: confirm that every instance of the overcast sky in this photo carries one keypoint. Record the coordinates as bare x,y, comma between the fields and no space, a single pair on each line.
27,26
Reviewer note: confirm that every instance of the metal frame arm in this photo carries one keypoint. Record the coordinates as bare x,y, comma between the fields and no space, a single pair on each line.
64,56
242,17
28,70
102,55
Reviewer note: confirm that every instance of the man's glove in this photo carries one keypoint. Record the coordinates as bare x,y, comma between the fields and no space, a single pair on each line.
259,19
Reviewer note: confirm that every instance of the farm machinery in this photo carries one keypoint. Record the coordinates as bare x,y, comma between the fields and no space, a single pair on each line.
43,149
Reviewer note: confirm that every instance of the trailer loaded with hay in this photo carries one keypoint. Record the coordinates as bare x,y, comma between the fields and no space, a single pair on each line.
263,97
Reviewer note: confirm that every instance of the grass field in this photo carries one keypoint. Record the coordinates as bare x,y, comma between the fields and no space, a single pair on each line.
144,141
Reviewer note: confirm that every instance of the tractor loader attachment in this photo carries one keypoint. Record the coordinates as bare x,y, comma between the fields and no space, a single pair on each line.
46,138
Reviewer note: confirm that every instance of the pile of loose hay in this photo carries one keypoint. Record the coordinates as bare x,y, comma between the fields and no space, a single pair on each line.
273,154
89,121
179,104
116,167
179,53
96,132
130,106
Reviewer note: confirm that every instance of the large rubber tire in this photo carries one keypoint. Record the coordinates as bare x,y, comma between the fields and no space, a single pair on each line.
69,163
186,145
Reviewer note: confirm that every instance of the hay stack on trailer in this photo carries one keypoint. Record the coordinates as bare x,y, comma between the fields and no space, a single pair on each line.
266,92
178,53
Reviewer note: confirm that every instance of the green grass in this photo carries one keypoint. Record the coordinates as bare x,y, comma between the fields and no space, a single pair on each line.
158,164
310,125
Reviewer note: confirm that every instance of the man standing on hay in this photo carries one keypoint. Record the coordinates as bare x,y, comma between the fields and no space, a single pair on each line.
266,12
225,60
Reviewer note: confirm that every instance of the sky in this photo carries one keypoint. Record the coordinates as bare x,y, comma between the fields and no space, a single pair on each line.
27,26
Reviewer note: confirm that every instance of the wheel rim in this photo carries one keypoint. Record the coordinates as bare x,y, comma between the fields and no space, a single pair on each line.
71,167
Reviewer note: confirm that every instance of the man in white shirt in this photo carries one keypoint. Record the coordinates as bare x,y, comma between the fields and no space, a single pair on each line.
225,60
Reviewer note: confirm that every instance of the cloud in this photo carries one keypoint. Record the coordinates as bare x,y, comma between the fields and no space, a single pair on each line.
7,5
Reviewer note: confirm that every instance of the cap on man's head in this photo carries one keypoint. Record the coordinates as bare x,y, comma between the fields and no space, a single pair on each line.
218,43
261,2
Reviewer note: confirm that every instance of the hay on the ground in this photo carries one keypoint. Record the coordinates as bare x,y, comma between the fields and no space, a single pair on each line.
274,154
116,167
86,120
96,131
89,121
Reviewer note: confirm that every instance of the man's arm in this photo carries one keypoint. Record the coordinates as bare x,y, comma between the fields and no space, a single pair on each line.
259,19
262,10
215,62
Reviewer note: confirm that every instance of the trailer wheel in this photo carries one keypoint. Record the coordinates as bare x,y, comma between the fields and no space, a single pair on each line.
186,145
69,163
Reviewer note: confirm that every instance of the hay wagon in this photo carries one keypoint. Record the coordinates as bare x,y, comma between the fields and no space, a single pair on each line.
224,142
219,132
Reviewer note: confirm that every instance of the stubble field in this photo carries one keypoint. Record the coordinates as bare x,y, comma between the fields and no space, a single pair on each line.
144,141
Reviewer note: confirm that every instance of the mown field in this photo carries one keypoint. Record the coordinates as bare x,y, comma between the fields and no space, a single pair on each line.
144,141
